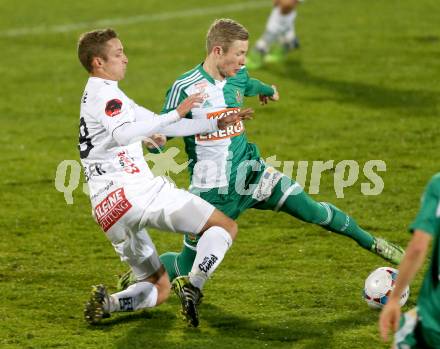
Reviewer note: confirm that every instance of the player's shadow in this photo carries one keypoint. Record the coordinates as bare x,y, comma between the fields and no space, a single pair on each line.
407,101
220,329
158,318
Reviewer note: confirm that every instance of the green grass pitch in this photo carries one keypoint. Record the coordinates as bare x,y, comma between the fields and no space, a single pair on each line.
363,86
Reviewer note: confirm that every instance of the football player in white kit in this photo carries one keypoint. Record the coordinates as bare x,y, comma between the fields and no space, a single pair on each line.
124,194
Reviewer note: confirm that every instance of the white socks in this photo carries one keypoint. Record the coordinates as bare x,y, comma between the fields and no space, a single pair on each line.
137,296
211,250
279,27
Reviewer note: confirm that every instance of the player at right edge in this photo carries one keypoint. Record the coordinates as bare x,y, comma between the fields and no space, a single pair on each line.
419,327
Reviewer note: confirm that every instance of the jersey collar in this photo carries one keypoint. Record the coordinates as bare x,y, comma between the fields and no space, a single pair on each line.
205,74
105,81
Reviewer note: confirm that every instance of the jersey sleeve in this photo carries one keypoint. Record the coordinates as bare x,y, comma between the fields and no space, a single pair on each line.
187,127
255,87
174,96
146,124
113,109
428,217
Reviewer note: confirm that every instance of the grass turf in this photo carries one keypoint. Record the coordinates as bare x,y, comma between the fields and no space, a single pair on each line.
363,86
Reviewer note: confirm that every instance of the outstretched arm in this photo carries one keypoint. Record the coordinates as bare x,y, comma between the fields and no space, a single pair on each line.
256,87
147,123
131,132
425,226
188,127
415,255
265,92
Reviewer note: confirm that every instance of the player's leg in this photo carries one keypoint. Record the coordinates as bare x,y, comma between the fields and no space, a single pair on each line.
270,35
217,236
300,205
178,210
180,263
152,286
280,193
303,207
288,39
280,27
175,263
170,262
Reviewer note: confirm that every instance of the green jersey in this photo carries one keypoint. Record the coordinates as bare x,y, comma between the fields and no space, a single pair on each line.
428,220
215,158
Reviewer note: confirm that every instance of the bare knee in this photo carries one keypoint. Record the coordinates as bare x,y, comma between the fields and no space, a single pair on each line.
219,219
161,281
232,228
163,289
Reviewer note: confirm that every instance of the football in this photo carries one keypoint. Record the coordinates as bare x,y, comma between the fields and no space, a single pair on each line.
378,287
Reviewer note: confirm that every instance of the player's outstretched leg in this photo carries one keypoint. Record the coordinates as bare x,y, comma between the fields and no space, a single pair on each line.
147,293
343,224
387,250
137,296
302,206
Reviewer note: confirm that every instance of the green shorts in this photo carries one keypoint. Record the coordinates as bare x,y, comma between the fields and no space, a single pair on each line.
262,189
412,334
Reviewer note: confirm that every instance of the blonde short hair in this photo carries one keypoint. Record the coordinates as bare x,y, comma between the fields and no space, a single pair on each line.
223,32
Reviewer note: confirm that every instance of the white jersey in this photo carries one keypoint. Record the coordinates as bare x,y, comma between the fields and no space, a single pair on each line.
104,107
111,170
125,195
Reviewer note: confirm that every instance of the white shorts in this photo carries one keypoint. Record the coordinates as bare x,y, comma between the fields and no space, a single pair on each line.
123,211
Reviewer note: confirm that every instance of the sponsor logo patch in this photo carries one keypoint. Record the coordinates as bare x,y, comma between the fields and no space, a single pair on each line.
126,304
93,170
207,263
106,188
239,97
111,209
231,131
113,107
268,181
127,163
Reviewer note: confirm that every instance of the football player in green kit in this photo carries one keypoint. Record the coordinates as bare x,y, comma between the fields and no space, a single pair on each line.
226,170
419,327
